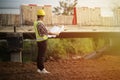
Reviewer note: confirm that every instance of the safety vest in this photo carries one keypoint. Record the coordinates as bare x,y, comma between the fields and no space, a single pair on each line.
38,37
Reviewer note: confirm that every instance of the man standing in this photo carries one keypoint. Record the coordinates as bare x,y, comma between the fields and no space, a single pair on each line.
41,37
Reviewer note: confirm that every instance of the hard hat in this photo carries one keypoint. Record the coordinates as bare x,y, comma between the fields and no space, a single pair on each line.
41,12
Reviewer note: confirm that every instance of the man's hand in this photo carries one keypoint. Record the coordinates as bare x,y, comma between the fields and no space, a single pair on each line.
51,33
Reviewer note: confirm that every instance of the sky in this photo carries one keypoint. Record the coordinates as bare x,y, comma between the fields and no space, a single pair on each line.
105,5
17,3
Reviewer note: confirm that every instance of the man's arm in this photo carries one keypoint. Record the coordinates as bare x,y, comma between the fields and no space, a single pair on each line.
41,29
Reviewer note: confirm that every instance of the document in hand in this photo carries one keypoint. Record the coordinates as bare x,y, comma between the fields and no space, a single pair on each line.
56,29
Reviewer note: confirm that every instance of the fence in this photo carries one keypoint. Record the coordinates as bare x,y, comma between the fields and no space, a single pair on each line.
85,17
92,17
62,20
28,14
9,19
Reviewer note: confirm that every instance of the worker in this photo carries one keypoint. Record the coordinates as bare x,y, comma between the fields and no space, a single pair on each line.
41,37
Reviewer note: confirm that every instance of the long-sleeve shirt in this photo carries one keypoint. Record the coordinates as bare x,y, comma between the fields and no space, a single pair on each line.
42,29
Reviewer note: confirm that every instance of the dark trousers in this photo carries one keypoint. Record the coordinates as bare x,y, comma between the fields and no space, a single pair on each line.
41,54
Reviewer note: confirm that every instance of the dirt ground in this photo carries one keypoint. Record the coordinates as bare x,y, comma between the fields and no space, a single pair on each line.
104,68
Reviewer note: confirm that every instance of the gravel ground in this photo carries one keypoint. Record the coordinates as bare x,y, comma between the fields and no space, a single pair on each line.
104,68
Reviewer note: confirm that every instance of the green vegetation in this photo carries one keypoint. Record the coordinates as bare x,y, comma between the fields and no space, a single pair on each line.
63,48
60,48
29,50
65,7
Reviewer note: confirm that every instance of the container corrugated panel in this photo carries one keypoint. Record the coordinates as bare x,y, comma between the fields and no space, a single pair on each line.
54,20
68,20
29,14
0,19
88,16
4,19
48,16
